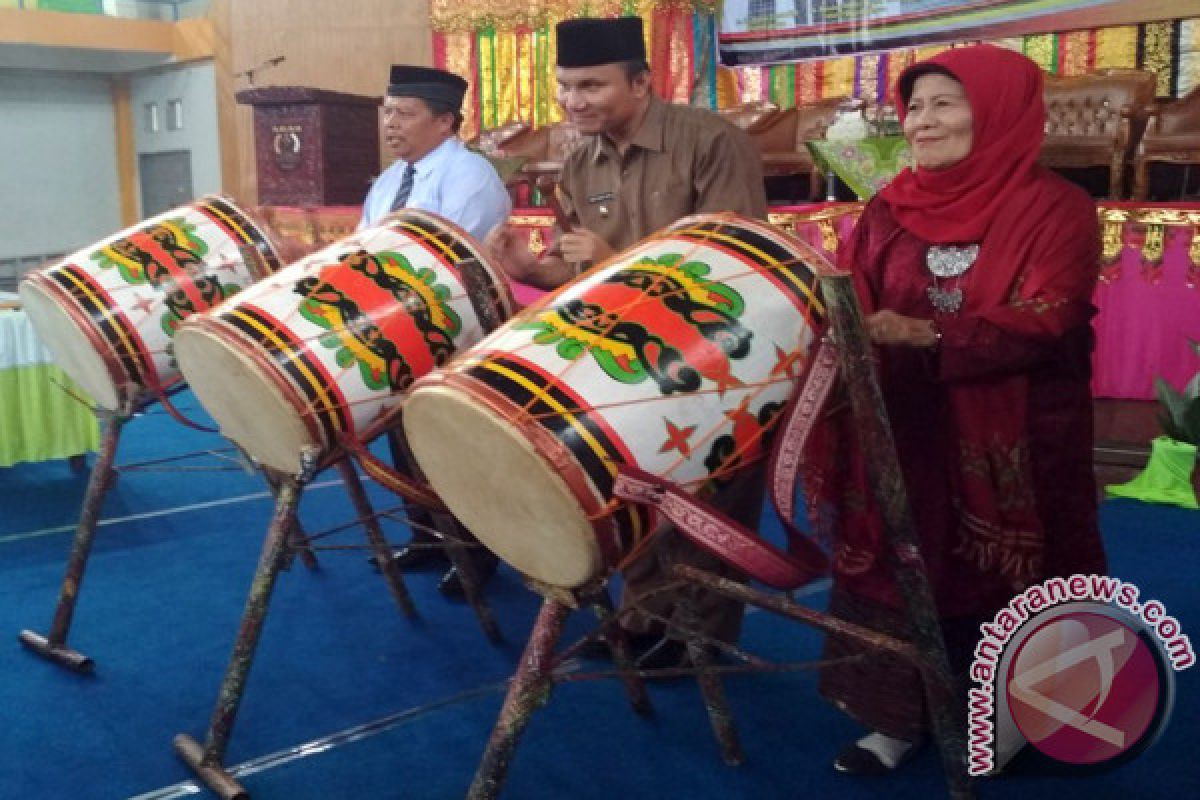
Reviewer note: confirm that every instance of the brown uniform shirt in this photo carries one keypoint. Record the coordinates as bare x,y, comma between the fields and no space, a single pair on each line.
682,161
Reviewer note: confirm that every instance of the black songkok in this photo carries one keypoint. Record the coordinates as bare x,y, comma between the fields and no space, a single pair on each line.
436,86
592,42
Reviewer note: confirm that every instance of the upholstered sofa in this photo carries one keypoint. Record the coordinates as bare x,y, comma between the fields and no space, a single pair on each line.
1172,136
780,139
1096,120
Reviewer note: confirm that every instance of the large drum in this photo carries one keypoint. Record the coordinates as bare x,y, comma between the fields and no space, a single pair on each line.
675,357
325,349
107,313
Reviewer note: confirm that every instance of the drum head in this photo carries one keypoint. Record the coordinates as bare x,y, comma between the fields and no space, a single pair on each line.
470,454
73,350
250,408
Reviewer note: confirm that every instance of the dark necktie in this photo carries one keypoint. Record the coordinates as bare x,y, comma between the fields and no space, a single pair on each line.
406,184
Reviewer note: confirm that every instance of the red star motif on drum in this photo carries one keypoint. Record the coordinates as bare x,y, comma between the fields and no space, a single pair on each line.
786,362
741,412
145,304
677,439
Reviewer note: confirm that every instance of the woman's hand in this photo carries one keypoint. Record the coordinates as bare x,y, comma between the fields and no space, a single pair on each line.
511,251
888,327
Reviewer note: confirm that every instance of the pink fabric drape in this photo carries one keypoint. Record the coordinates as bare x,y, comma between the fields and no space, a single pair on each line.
1147,314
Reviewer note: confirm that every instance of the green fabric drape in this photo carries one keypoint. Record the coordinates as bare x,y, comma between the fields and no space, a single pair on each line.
40,421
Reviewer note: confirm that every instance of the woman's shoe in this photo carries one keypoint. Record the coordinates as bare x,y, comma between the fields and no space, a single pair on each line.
875,754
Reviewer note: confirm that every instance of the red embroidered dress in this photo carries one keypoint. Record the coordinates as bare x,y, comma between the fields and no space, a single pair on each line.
994,427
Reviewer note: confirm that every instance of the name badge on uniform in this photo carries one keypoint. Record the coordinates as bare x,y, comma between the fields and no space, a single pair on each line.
602,197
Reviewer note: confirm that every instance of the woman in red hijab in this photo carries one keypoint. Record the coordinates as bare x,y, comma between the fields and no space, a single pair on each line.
975,269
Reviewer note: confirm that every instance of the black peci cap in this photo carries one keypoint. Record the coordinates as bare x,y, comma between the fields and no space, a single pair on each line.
433,85
591,42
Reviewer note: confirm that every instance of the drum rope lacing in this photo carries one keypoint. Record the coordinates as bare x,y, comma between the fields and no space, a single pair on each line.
724,470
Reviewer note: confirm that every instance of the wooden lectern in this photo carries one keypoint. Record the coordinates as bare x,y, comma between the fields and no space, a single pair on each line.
313,147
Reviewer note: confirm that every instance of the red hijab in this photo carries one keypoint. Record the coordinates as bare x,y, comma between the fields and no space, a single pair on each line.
958,204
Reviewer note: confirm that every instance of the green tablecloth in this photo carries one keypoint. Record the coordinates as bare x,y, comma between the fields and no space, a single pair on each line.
38,419
865,165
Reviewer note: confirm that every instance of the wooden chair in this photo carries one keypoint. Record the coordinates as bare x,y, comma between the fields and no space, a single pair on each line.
748,116
780,139
1096,120
494,140
545,149
1172,136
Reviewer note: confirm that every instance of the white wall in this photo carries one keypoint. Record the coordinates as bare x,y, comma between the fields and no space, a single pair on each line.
58,173
195,85
131,8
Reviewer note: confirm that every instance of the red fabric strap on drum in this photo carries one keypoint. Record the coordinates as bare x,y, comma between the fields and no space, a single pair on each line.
703,524
792,437
164,397
386,476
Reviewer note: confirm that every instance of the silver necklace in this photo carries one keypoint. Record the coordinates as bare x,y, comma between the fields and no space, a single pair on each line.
948,261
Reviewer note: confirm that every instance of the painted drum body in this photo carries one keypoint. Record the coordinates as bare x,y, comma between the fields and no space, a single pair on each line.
675,356
327,347
108,312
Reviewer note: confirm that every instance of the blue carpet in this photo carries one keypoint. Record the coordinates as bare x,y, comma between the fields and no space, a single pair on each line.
164,593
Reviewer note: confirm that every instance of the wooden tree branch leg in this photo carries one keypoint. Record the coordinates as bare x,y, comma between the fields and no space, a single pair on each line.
392,574
602,606
529,690
468,576
207,761
53,646
298,542
891,495
715,702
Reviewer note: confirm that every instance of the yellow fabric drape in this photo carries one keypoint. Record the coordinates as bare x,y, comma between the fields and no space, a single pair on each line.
506,69
487,80
1156,49
1116,47
923,53
458,47
898,61
839,78
1040,50
525,69
727,88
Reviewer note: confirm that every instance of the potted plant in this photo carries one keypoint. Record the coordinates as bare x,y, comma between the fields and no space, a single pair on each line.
1172,475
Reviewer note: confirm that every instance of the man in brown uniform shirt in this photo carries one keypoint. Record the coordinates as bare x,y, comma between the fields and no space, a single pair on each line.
643,164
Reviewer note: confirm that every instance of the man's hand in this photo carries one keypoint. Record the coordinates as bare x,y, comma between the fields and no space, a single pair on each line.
888,327
582,245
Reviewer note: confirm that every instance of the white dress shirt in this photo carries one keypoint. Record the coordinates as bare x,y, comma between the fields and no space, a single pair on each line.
450,180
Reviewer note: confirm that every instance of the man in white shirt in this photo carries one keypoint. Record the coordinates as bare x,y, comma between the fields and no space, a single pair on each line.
434,171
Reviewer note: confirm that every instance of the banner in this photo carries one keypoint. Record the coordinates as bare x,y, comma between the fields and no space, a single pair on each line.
779,31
